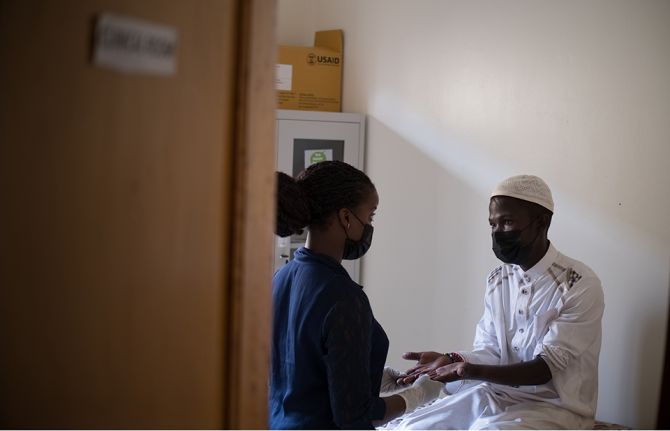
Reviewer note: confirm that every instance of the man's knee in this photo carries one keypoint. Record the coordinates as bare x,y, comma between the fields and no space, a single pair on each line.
485,424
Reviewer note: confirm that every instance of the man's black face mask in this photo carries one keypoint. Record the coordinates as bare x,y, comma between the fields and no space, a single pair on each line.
507,246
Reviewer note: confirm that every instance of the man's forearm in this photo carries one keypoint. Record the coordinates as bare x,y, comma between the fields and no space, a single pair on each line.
535,372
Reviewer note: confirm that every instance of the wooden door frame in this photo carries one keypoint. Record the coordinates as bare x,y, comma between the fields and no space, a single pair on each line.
248,293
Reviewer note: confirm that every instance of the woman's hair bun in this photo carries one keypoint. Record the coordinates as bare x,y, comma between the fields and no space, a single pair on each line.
293,213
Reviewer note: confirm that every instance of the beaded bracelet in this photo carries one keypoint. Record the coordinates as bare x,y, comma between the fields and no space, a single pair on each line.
454,357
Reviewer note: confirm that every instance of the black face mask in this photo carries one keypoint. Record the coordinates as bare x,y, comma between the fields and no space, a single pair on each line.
507,246
356,249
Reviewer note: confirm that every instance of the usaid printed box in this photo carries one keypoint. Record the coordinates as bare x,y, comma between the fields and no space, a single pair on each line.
310,78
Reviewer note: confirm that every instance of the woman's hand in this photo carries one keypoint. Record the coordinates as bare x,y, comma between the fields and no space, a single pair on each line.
390,381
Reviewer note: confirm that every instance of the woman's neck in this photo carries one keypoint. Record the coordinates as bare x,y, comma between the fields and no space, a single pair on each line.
327,242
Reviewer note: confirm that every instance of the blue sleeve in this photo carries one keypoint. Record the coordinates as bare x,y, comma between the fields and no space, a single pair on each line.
347,337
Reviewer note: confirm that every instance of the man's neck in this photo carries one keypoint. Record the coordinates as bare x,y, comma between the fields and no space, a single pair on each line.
536,255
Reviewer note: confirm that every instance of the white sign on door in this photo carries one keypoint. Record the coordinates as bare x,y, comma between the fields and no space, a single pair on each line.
134,46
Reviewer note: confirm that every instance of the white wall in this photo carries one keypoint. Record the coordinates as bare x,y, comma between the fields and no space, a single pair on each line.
460,94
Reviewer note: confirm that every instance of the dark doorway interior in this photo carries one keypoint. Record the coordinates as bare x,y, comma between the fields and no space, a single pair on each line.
663,421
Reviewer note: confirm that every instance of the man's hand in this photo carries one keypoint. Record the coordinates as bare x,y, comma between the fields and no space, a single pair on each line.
426,362
450,373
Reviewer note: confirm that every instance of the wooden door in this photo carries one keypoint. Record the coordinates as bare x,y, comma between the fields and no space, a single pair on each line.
128,208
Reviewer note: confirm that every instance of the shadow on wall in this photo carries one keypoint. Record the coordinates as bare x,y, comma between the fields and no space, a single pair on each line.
431,251
442,251
460,158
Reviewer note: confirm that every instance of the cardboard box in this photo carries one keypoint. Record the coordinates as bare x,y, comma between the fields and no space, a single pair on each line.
310,78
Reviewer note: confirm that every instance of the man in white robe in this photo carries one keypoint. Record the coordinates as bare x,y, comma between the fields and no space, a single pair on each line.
534,362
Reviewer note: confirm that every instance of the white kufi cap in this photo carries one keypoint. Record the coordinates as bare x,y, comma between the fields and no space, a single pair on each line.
528,188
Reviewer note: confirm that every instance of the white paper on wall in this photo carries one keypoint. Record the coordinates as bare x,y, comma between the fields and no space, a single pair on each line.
283,76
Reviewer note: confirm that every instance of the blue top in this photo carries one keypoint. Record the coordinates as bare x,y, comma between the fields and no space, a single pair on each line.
328,351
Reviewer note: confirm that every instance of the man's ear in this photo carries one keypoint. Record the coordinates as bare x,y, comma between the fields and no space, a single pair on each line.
545,221
344,216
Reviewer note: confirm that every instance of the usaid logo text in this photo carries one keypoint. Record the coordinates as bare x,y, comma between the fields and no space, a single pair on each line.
313,59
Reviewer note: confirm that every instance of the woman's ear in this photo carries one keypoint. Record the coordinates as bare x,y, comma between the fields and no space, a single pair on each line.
344,216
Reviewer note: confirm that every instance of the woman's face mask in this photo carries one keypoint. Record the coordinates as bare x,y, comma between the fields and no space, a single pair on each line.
356,249
507,246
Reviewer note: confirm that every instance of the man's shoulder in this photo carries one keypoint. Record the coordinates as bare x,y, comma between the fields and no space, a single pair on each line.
572,272
579,285
574,277
494,275
499,273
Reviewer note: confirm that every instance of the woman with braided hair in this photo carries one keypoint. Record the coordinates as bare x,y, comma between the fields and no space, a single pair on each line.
328,351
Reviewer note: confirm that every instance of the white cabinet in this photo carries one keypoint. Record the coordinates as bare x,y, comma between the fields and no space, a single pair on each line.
306,137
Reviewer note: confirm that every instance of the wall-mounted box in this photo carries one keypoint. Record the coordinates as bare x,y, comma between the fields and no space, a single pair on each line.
310,78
